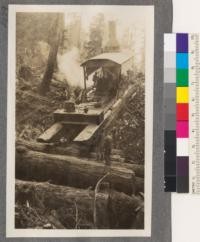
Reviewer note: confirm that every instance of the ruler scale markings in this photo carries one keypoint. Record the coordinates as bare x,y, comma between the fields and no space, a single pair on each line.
194,115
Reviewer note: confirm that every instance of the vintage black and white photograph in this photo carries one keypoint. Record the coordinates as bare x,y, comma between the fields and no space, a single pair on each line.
80,91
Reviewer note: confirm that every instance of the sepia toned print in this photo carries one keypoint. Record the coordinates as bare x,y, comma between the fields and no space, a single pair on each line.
83,87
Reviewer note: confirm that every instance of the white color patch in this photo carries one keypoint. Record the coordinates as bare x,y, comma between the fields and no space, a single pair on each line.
182,147
170,42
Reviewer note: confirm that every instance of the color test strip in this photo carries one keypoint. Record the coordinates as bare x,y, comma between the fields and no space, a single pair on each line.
170,112
194,113
182,117
182,138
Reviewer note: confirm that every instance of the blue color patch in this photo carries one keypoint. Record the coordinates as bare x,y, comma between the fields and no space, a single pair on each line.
181,60
181,43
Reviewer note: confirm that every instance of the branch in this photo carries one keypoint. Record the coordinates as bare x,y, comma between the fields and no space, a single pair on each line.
95,199
77,221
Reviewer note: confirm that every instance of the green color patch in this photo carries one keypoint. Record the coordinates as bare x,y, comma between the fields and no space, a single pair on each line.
182,77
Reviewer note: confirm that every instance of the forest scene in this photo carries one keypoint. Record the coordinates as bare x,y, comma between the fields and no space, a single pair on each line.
80,121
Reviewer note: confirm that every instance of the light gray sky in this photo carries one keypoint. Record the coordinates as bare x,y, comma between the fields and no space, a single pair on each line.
134,18
124,15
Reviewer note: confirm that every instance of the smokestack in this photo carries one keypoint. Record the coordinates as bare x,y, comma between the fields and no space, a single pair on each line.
112,44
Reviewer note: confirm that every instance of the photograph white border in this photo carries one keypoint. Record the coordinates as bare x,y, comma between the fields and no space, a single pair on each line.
10,185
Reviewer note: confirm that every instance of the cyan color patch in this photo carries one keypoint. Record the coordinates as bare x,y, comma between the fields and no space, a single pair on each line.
182,60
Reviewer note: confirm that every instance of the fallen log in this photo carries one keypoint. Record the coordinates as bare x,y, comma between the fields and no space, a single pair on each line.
139,184
137,169
75,151
118,106
71,171
50,148
74,207
113,156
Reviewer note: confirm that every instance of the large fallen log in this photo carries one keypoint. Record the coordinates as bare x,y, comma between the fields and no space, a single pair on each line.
49,147
71,171
138,169
74,208
75,151
139,181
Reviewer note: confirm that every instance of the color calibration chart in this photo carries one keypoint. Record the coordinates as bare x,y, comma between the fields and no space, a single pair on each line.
182,113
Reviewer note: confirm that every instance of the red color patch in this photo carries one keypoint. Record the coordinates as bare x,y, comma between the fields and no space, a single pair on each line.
182,111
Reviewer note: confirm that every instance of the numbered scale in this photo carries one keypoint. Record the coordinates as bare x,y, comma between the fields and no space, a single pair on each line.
194,112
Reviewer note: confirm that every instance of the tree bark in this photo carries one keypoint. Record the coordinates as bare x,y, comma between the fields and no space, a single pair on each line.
71,171
113,209
51,63
139,184
75,151
49,148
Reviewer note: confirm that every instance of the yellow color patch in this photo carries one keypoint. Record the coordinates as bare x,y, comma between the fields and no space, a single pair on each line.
182,95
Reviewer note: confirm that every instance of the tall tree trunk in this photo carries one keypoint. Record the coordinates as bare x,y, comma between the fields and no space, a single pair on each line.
51,63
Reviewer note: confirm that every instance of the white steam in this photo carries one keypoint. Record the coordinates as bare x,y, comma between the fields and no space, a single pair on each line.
69,65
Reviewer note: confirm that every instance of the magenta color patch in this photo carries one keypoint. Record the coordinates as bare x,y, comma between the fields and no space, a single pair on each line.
182,129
